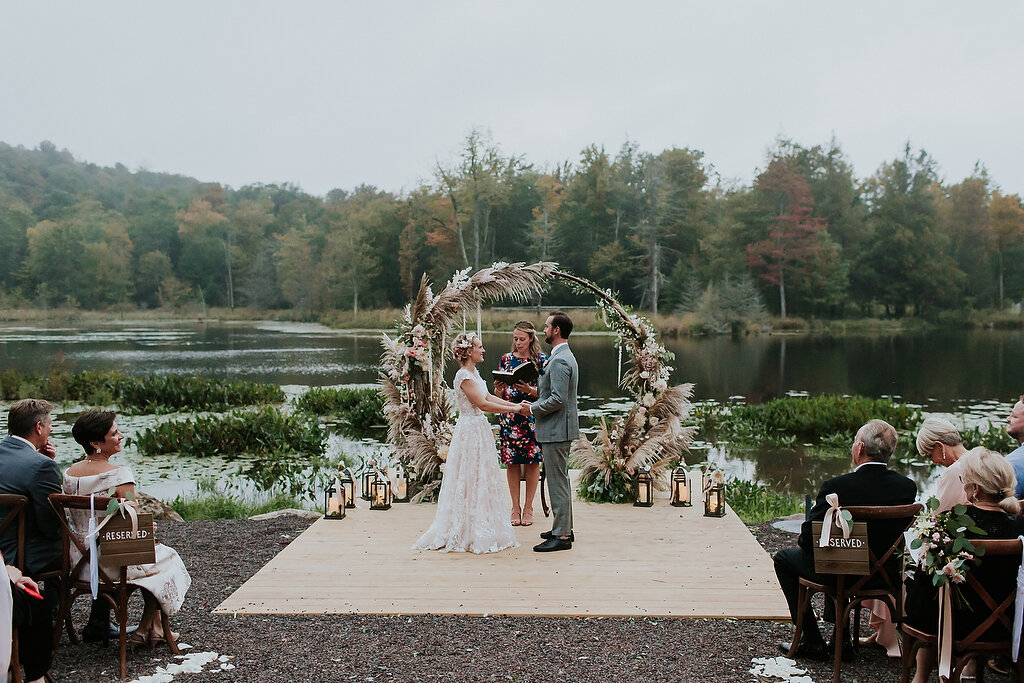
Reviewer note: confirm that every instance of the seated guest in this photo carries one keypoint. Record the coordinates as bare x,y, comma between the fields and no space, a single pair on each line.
870,483
939,441
989,483
27,468
1015,428
24,612
164,582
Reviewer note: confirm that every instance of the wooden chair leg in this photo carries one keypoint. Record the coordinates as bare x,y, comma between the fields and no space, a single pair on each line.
543,497
803,605
842,615
909,647
122,623
15,661
172,642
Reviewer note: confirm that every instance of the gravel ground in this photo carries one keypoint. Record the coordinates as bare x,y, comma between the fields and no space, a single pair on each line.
222,555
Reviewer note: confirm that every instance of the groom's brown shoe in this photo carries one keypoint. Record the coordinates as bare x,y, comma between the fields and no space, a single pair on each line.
553,544
547,534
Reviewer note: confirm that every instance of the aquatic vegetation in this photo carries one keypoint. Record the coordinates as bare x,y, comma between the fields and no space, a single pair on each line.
150,394
831,419
263,432
358,411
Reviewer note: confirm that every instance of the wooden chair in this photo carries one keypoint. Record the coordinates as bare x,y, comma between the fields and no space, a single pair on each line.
115,591
850,590
998,608
15,506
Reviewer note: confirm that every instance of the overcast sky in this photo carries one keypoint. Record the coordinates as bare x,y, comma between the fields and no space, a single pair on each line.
336,94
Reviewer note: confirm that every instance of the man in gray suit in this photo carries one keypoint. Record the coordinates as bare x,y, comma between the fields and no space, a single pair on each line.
27,468
557,426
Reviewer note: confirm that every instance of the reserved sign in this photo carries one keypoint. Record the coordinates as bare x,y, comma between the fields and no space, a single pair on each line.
842,555
120,546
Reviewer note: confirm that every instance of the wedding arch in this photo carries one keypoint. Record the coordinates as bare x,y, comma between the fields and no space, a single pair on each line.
420,416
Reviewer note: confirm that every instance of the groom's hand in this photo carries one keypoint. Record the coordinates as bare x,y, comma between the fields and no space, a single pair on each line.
524,409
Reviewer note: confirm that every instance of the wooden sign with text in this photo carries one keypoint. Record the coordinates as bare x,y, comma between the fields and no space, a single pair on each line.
120,547
843,555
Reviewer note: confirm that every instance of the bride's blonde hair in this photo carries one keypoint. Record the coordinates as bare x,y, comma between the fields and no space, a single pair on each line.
462,347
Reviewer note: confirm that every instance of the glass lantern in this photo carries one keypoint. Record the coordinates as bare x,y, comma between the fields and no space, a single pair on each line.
381,494
680,488
368,475
334,501
400,487
348,482
714,497
644,494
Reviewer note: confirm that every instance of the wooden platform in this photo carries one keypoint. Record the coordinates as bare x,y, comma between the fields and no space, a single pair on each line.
658,561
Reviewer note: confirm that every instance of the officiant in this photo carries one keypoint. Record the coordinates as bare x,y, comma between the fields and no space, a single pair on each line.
519,449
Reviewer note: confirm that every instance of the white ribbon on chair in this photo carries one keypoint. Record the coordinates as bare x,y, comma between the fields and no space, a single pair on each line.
833,514
1018,608
94,539
945,632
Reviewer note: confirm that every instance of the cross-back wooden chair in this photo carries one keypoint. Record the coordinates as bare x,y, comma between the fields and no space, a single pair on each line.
849,590
15,517
115,591
974,646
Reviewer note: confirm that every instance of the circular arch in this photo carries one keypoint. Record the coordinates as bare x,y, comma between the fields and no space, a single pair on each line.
420,416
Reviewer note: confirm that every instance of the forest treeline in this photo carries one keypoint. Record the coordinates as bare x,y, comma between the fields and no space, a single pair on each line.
805,237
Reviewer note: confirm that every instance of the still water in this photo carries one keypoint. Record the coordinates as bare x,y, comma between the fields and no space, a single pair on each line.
970,375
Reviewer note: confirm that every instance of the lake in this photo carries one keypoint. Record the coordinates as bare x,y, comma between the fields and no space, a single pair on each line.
970,375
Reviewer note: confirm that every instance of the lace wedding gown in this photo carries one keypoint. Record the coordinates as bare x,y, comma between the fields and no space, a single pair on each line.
472,514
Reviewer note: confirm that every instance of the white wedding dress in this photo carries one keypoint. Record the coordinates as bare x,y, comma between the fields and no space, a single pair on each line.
472,514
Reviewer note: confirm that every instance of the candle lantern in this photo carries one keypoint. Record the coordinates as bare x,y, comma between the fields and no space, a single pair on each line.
348,482
368,474
714,496
400,488
381,494
334,501
680,488
644,495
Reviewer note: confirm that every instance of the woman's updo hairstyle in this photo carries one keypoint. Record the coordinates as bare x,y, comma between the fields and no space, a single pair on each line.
936,430
462,347
990,472
92,425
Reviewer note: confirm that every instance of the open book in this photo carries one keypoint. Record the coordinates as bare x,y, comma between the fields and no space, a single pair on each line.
527,372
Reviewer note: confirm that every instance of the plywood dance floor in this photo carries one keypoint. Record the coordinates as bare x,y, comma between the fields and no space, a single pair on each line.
659,561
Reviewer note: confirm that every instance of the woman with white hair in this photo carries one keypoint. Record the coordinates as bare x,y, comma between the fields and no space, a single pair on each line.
989,483
939,441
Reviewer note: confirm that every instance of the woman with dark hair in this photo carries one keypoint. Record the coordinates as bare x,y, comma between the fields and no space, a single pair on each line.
164,582
519,446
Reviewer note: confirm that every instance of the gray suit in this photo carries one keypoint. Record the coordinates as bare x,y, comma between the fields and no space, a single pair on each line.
25,471
557,426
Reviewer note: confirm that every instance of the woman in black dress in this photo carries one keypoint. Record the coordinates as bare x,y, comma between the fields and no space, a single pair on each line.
518,443
989,484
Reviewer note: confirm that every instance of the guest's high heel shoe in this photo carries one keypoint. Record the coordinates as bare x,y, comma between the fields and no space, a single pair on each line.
517,517
527,519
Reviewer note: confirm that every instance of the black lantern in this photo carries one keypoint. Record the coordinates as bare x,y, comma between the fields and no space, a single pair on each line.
348,482
680,488
368,474
334,501
401,484
714,496
380,492
644,496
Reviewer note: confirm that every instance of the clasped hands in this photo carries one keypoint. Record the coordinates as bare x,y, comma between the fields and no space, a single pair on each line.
524,409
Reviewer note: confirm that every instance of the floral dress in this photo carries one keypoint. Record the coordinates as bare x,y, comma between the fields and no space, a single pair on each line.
518,444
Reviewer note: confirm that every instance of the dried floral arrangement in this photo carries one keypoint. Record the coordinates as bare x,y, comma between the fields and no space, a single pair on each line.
651,434
417,405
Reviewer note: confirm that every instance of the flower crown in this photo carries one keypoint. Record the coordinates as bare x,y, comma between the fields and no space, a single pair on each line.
467,342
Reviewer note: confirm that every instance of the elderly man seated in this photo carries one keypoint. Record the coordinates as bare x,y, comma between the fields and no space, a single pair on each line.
870,483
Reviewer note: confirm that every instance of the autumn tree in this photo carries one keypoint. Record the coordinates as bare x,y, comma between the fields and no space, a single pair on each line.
1007,221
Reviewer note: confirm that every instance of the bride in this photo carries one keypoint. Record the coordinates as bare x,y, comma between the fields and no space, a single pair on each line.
471,513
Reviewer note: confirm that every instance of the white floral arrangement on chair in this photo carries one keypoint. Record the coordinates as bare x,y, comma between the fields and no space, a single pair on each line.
939,547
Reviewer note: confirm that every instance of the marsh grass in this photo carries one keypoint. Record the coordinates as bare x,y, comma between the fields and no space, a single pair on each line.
754,503
221,505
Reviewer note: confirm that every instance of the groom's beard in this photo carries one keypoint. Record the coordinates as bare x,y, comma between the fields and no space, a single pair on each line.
548,338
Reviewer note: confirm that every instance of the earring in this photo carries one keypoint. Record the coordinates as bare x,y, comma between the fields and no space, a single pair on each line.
98,451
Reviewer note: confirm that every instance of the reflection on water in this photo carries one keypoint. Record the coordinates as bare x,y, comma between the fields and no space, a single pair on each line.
972,375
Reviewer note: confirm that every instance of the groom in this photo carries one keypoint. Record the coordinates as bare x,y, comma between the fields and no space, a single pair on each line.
557,426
